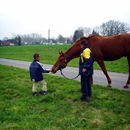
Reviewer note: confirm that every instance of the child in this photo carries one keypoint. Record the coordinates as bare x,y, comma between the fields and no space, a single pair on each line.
36,76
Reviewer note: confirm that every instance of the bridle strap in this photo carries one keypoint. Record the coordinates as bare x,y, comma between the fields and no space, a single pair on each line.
65,60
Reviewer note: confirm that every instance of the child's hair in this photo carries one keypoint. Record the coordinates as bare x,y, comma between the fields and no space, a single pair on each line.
84,43
35,55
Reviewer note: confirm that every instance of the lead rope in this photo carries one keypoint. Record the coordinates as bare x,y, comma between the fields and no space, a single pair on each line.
67,77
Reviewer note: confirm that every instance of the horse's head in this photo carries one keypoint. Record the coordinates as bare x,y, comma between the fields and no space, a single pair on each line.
60,63
70,54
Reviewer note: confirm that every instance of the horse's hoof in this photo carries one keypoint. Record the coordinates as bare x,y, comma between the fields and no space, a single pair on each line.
109,85
126,86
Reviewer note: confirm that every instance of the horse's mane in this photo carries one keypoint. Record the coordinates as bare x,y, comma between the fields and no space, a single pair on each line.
79,41
87,38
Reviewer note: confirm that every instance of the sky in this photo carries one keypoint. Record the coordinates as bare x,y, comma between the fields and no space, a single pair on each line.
60,16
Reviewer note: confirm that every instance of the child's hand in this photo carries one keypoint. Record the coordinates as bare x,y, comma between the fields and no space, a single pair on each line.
51,70
47,70
84,70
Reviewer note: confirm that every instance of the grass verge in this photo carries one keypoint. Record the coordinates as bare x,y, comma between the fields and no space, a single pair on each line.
49,54
60,109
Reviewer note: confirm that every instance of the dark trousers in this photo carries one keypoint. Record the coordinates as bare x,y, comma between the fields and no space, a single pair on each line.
86,85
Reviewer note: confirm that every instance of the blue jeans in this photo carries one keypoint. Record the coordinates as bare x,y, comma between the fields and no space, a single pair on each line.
86,85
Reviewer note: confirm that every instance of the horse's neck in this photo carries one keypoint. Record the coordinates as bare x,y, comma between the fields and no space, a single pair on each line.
72,53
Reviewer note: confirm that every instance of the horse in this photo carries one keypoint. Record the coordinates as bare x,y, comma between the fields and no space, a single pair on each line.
104,48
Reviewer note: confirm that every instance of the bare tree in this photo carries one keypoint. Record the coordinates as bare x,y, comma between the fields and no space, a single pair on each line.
114,27
86,30
33,38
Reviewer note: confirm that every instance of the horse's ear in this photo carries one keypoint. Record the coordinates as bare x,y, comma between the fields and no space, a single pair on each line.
61,53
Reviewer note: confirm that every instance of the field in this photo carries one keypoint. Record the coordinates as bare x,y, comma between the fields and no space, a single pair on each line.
50,53
61,108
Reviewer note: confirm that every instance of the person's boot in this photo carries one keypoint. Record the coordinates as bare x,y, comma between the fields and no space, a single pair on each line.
43,92
35,94
84,98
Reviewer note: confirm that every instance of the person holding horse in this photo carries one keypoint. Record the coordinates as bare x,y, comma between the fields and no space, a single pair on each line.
86,71
36,76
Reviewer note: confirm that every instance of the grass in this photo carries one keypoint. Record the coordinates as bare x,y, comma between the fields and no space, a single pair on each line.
60,109
50,53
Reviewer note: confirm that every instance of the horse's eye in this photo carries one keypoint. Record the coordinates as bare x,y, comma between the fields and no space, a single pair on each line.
55,65
61,60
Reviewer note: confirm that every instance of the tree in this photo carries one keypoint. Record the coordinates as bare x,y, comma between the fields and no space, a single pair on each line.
70,40
18,39
94,32
33,38
86,30
61,39
77,34
113,27
0,43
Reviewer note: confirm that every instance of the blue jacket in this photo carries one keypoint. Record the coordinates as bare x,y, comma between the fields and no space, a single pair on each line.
87,64
36,71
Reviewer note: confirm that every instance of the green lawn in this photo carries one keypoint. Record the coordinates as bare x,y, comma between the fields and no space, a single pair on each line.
60,109
49,54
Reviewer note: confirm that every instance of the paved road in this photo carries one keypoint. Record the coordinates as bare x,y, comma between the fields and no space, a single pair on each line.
118,79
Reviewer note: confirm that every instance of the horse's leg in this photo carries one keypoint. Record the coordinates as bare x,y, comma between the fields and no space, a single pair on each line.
128,81
103,67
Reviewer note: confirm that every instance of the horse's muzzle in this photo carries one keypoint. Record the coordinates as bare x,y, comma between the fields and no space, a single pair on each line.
55,68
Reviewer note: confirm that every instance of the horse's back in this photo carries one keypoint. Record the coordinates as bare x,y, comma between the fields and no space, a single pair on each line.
126,43
111,47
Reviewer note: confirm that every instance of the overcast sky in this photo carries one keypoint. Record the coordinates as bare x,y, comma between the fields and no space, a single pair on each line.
60,16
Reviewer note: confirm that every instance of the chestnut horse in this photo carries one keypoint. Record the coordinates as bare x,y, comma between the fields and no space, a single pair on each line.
104,48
